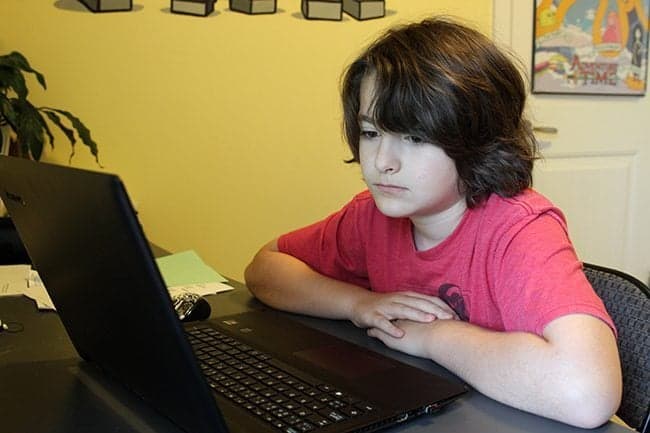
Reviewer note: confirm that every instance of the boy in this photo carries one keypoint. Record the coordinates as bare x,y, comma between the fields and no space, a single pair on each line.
450,255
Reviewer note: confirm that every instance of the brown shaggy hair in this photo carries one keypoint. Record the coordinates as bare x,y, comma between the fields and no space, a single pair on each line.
453,87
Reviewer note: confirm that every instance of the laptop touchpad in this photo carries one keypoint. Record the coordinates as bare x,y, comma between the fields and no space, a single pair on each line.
346,361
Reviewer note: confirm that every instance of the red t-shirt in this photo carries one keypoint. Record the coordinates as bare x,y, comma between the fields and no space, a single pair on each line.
508,266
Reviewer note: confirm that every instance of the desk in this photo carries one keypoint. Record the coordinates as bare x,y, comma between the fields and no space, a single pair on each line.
46,387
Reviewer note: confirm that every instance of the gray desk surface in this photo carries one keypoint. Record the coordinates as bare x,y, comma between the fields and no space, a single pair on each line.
45,387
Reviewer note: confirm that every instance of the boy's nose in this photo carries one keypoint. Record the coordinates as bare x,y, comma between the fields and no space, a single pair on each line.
386,158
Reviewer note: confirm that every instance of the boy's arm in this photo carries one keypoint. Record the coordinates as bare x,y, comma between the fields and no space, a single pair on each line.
286,283
572,374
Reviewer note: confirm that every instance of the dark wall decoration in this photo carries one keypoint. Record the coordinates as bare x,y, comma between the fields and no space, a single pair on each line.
331,10
108,5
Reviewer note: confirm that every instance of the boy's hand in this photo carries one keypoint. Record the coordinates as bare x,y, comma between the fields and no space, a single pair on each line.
379,310
414,340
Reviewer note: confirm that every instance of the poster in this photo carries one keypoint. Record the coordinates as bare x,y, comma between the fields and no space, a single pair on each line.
591,47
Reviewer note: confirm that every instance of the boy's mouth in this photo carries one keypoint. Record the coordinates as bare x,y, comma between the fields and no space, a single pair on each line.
389,188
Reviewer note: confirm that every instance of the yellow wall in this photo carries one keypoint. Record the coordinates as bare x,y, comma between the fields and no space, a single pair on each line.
226,129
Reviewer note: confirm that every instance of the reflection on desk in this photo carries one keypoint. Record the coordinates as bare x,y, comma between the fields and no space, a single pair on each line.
45,387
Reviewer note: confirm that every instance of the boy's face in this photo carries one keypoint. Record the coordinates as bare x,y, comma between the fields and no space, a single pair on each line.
407,176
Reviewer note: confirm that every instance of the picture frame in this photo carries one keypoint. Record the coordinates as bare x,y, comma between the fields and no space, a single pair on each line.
597,47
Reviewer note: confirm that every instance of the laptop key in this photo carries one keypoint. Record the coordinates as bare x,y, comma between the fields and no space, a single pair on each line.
314,405
333,415
365,407
351,411
304,426
292,419
336,404
318,420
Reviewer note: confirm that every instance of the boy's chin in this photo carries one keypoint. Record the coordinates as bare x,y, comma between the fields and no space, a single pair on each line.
391,209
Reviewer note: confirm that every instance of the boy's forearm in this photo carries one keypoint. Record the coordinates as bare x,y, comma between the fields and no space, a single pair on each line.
528,372
284,282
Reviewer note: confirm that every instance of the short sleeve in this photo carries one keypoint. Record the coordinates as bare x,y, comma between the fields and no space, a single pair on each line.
539,277
334,246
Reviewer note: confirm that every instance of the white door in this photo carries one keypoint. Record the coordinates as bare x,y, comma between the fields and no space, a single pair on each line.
596,167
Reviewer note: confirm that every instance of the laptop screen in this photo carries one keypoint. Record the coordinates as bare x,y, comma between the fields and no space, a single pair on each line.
84,239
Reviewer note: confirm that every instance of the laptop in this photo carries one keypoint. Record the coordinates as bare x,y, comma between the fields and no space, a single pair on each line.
257,371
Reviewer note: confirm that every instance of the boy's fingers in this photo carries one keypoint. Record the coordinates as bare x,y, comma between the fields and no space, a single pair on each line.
388,327
430,305
420,313
382,334
443,306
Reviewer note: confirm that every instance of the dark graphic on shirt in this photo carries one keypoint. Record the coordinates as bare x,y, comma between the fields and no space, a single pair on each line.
450,293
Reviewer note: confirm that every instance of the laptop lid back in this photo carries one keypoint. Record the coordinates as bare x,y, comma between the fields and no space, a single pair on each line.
84,239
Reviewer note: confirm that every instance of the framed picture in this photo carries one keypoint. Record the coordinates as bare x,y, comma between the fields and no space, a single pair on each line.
591,47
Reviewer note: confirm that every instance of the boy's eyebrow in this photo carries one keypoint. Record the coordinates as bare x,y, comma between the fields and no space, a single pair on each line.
366,118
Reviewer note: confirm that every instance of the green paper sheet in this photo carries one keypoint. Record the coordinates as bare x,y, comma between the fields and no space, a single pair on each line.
186,268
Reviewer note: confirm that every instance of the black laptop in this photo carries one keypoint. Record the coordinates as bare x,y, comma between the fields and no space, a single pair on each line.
252,372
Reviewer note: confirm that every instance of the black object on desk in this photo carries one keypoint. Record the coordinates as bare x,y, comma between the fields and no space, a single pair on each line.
98,268
191,307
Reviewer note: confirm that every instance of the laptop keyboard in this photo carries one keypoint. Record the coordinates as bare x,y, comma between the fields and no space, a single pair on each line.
263,386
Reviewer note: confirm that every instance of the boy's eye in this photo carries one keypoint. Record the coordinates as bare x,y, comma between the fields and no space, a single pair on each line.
369,133
414,139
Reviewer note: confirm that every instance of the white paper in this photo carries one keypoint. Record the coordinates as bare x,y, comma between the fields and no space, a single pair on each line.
201,289
35,290
13,279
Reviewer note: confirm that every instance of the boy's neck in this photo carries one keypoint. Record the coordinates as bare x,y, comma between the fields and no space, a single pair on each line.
432,230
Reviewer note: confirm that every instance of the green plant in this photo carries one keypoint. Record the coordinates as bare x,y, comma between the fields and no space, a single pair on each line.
30,125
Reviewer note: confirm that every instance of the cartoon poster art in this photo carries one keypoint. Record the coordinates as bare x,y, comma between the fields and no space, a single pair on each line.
591,46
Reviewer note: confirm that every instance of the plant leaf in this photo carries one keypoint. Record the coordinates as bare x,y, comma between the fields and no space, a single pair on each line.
15,60
82,131
69,133
13,79
29,128
7,111
46,129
